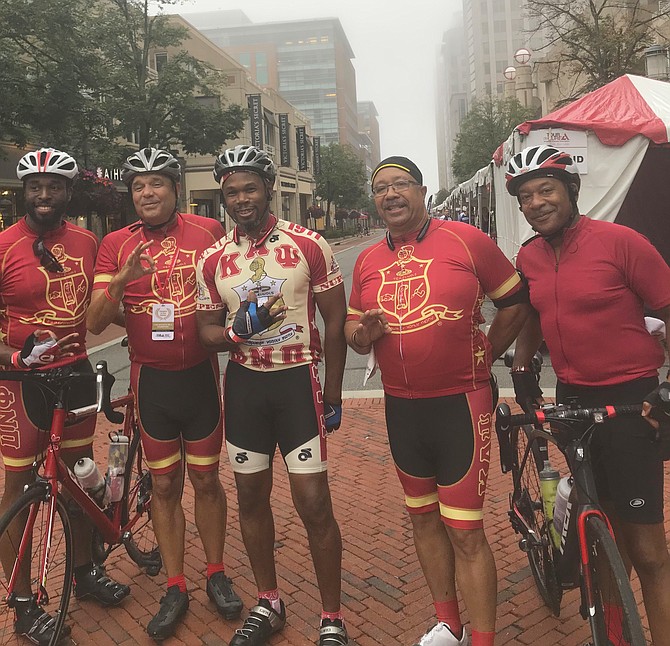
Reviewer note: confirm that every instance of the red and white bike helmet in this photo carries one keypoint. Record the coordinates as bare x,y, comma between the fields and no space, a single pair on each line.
540,161
47,160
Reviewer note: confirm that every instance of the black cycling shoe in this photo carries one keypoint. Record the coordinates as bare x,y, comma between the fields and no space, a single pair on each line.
36,625
262,622
173,607
96,585
220,591
333,633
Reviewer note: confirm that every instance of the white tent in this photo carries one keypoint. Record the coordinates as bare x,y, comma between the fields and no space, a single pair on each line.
619,137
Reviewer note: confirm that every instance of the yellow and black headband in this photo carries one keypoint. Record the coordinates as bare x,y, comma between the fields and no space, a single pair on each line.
403,164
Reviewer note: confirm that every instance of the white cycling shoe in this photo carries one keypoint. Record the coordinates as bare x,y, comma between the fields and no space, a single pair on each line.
440,635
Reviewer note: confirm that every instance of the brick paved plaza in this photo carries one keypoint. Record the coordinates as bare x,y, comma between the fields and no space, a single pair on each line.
385,597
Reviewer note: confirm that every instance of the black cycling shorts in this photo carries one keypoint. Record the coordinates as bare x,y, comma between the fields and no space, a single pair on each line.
26,411
176,407
282,408
441,447
627,464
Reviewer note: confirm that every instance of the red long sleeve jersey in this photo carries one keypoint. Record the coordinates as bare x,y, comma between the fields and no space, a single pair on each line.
33,298
591,302
431,292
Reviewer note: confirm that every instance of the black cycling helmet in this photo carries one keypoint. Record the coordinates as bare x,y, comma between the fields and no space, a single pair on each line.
244,158
540,161
150,160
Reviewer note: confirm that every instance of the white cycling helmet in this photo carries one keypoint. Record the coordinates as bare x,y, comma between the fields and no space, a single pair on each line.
150,160
47,160
540,161
244,158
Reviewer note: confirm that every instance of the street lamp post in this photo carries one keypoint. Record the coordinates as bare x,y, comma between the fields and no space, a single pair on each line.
657,63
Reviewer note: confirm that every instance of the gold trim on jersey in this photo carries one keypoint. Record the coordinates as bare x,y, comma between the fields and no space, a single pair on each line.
511,282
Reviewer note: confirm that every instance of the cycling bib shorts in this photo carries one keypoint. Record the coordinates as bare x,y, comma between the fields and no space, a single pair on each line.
626,463
441,447
264,410
26,409
179,411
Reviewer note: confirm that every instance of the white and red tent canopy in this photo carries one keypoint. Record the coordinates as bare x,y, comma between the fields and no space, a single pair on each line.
620,120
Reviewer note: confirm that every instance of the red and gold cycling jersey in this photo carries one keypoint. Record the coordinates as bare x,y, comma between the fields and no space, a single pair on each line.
287,258
176,252
31,297
431,293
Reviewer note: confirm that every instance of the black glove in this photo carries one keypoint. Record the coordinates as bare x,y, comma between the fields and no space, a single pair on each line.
659,398
251,319
526,388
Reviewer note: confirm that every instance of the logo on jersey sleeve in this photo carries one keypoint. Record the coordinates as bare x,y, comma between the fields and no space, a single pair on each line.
404,294
66,293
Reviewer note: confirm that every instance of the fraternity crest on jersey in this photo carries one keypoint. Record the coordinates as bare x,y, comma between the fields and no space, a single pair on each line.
172,283
66,292
404,294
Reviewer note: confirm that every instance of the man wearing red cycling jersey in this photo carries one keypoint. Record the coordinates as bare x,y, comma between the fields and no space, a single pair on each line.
416,299
46,272
589,282
259,289
150,267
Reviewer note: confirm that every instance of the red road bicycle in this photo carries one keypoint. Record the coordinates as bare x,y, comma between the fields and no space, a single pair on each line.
37,528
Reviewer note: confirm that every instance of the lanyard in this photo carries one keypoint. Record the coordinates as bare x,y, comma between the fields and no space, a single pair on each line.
163,287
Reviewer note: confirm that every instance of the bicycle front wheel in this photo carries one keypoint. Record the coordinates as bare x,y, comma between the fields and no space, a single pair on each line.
141,543
611,607
527,502
23,530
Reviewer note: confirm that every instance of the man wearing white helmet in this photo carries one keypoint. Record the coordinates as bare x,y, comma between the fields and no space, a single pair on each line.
589,282
149,269
45,287
259,289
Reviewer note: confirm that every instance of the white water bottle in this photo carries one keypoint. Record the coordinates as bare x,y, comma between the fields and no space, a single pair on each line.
92,481
562,496
116,464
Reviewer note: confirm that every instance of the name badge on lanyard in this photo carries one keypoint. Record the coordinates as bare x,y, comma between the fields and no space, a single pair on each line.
162,322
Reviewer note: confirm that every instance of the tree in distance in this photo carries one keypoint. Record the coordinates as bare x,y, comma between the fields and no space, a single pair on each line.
488,123
590,43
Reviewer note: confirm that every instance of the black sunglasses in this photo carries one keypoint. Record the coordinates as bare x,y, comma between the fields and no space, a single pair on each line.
46,258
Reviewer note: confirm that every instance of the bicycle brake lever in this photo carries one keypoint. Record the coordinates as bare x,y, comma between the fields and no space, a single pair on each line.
104,382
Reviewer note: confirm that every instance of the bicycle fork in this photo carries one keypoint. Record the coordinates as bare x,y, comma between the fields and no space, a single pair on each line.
588,595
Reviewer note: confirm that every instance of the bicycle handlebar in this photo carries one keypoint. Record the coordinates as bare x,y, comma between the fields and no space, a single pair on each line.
58,376
505,421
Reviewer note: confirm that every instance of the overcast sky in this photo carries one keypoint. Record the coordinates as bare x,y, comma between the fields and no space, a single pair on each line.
395,44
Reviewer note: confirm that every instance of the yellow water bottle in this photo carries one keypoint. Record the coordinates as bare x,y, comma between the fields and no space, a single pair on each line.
549,479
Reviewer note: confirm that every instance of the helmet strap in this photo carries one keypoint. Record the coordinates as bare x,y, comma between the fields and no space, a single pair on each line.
156,227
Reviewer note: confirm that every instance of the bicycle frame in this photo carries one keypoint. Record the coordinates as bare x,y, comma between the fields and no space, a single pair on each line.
55,471
577,455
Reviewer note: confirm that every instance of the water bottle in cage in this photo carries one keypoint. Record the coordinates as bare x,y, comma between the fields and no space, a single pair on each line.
91,480
116,463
